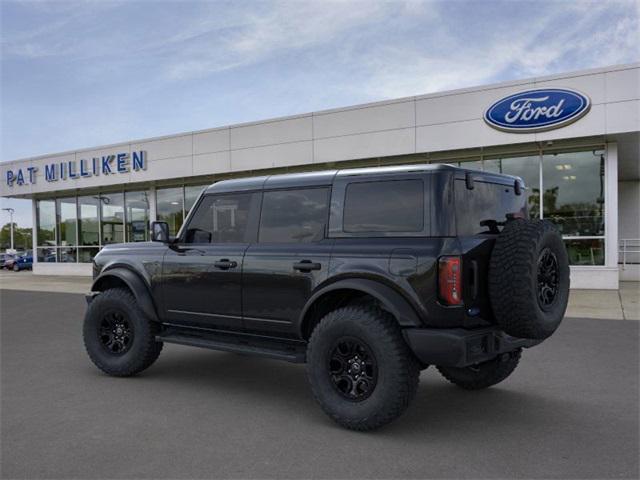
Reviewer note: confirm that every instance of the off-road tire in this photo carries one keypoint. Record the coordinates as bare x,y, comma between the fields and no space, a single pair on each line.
484,374
143,350
514,279
398,370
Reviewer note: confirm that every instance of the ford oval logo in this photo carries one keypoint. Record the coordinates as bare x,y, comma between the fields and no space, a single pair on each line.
537,110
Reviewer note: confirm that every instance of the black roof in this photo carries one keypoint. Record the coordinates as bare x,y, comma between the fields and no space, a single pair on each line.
326,177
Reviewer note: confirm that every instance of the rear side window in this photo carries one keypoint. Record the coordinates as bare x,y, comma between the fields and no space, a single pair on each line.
220,219
385,206
294,216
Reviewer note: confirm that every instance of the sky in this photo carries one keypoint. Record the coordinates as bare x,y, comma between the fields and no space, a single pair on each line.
86,73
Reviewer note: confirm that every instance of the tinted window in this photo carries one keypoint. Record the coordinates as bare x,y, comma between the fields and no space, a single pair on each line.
294,216
220,219
388,206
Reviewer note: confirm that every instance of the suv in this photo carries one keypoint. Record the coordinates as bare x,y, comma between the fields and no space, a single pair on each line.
367,275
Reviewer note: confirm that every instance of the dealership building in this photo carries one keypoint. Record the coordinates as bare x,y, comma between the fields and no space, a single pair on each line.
574,138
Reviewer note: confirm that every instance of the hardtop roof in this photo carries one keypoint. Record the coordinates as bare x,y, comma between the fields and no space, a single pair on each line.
326,177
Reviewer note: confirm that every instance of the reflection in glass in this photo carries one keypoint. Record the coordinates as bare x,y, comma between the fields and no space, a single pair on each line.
137,215
67,255
112,218
66,221
86,254
294,216
585,252
88,220
472,165
191,194
46,255
574,192
46,222
527,168
169,206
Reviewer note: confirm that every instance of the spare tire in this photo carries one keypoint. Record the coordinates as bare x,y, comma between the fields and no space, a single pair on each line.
529,279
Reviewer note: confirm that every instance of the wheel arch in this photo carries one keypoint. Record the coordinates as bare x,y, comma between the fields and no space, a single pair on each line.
119,277
346,291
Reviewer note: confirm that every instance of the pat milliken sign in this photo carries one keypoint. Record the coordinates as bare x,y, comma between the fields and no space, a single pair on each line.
117,163
537,110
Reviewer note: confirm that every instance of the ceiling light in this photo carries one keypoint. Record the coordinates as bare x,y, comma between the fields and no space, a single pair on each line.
567,166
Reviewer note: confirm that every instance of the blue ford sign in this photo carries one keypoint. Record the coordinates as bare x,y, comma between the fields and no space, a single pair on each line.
537,110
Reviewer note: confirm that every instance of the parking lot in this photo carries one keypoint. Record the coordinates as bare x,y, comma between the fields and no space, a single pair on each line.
569,411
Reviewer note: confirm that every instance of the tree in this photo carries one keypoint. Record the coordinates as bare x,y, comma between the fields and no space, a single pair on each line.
22,237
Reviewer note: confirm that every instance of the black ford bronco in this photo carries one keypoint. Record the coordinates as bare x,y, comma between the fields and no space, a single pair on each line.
367,275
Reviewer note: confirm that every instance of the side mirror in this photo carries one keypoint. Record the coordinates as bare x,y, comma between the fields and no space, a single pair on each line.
160,232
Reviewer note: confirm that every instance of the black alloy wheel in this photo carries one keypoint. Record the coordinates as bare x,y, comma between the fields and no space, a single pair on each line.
116,332
547,278
353,369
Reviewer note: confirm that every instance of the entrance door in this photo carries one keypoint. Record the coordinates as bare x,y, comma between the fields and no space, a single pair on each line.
202,272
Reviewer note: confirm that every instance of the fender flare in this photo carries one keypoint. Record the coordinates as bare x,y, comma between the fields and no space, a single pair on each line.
392,301
137,286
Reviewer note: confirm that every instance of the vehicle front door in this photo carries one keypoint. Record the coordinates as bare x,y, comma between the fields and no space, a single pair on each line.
202,271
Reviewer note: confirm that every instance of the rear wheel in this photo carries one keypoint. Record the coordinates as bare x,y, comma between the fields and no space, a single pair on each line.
483,375
361,371
119,339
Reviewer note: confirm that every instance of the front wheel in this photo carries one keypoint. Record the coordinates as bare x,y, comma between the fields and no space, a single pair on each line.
16,268
118,337
361,371
483,375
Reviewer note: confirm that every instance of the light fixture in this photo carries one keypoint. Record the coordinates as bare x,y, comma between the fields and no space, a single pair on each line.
567,166
559,167
175,203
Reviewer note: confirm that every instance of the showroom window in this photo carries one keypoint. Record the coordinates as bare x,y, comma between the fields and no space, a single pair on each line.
88,227
527,168
112,218
191,194
46,230
573,196
170,207
137,216
573,199
67,229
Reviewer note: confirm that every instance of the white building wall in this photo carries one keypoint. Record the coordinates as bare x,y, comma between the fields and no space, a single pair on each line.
428,123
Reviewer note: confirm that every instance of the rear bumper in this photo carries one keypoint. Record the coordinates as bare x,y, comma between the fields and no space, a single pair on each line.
459,347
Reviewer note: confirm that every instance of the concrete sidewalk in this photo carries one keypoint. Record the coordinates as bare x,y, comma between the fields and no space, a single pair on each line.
623,304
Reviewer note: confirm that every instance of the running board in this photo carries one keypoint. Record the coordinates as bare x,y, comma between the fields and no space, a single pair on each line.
289,351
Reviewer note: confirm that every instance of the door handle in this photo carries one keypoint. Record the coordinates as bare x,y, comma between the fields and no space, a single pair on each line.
306,266
225,264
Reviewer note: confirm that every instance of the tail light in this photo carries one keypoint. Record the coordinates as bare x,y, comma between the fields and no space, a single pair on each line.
450,280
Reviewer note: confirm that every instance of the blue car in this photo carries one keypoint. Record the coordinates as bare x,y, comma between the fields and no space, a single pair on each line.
23,262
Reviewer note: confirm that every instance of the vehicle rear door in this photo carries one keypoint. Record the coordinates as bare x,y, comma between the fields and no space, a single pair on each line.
289,260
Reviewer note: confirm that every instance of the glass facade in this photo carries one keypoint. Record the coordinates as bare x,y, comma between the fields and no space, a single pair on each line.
73,229
170,207
137,216
112,218
573,195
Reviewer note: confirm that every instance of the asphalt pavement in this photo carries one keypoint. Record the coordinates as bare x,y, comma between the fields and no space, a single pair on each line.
570,410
